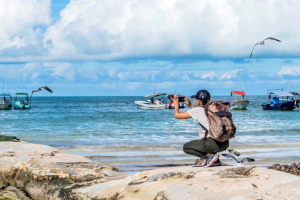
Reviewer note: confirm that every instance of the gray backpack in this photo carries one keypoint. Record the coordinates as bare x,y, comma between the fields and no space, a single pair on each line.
221,127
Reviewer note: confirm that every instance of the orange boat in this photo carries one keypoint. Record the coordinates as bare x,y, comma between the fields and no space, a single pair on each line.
237,103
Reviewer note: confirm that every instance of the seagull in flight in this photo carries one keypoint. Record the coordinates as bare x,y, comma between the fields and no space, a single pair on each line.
263,43
40,89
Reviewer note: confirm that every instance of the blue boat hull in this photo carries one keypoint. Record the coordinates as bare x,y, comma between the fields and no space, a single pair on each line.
288,105
18,105
271,106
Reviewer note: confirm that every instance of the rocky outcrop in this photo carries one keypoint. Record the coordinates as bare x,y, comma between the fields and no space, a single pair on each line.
224,182
294,168
13,193
42,172
29,171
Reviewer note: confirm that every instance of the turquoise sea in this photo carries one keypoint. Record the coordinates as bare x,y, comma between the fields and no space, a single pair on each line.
113,130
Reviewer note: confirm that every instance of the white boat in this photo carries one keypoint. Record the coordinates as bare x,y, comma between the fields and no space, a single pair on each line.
5,101
238,104
157,101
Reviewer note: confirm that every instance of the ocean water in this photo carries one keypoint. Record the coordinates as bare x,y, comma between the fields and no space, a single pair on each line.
113,130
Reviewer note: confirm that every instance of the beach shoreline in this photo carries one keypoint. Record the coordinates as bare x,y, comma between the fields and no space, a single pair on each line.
43,172
136,158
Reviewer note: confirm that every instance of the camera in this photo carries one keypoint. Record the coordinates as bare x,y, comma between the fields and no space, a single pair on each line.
180,98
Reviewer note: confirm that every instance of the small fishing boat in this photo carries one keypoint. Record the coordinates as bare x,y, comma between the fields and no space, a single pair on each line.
156,101
237,103
5,101
22,102
279,101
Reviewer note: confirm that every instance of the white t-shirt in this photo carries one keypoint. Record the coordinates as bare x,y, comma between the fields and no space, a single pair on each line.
198,114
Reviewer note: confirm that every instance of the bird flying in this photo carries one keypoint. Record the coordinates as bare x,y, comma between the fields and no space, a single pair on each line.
40,89
263,43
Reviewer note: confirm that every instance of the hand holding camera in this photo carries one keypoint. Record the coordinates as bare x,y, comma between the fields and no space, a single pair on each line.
179,98
174,98
188,102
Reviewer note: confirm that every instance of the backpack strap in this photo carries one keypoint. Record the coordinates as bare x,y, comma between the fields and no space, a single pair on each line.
206,131
233,128
205,135
224,129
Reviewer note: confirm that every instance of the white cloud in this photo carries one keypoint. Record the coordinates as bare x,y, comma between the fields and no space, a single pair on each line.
211,75
230,74
20,22
292,71
122,29
94,78
138,28
65,70
95,73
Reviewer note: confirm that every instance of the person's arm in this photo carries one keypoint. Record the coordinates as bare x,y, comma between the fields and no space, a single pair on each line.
177,114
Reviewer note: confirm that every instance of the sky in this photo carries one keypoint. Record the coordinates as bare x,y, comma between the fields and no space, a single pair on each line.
137,47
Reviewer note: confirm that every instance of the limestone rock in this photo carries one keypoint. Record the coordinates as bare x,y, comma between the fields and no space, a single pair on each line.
51,174
13,193
224,182
160,196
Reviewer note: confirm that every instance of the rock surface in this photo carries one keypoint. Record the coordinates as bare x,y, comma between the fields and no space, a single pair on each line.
224,182
29,171
42,172
292,169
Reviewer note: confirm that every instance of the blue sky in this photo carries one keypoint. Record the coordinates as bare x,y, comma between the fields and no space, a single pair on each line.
136,47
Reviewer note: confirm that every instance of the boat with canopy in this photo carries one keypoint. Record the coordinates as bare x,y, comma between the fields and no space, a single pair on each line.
279,101
238,100
156,101
5,101
22,102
